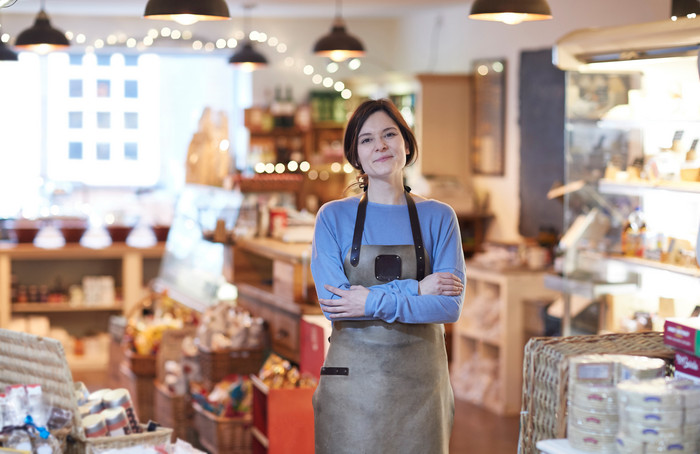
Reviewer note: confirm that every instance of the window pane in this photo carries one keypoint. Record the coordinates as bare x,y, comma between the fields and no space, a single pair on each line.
104,120
104,60
131,151
103,88
75,150
103,151
131,60
76,59
131,89
75,88
131,120
75,120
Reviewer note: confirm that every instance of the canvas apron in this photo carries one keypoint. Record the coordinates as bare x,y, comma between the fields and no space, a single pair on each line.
384,387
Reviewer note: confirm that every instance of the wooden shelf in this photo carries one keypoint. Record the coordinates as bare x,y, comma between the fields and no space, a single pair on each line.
72,251
639,187
132,278
505,291
28,308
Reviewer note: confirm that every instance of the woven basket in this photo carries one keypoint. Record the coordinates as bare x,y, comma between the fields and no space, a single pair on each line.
215,365
172,410
546,377
141,389
26,359
221,435
141,365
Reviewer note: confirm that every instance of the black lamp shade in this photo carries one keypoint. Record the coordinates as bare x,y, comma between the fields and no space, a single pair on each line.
339,45
510,11
41,35
248,58
196,9
7,54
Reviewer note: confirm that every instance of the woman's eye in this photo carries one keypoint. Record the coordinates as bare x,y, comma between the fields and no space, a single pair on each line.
365,140
390,134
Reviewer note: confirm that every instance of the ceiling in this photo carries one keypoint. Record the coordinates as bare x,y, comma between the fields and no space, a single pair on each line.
268,8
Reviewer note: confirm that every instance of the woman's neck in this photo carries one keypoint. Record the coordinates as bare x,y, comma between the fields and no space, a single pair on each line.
387,193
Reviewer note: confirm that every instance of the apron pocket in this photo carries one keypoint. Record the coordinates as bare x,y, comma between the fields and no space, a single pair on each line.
335,371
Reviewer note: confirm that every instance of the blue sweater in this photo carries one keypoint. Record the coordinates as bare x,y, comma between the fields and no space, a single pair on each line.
396,301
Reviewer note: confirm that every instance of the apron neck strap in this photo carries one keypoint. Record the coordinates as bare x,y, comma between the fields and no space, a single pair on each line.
415,231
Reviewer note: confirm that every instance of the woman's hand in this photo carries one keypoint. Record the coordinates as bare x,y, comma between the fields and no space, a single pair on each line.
446,284
350,304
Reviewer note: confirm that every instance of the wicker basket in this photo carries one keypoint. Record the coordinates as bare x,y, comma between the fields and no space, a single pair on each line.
215,365
172,410
546,377
175,411
141,389
25,358
220,435
141,365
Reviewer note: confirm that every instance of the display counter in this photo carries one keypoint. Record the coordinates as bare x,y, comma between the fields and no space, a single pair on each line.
274,282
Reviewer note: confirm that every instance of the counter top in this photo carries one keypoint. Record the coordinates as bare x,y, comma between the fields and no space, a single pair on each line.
275,249
27,251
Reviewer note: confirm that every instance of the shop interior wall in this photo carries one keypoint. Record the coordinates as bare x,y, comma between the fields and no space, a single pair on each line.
444,40
439,40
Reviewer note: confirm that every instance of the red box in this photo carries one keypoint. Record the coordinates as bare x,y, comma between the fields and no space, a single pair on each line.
683,334
687,366
314,333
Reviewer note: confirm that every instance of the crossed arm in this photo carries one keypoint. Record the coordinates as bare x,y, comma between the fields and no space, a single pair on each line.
351,302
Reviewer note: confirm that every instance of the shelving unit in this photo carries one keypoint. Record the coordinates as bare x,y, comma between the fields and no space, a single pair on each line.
274,282
498,296
131,267
283,420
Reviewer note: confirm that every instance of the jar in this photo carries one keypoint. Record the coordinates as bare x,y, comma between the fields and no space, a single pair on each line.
120,397
117,421
95,426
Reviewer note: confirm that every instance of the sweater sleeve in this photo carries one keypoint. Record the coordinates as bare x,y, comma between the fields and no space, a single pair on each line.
399,301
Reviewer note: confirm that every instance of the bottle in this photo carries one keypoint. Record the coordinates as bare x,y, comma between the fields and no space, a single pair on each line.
633,234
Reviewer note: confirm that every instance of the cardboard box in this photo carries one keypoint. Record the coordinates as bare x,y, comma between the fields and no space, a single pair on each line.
687,366
683,334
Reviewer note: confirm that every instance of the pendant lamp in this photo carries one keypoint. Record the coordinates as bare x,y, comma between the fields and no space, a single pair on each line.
247,58
510,11
187,12
7,54
41,37
339,45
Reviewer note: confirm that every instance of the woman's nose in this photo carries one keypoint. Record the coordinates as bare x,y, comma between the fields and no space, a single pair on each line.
381,144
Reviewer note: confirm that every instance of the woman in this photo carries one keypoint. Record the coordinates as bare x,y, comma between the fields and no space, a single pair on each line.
389,271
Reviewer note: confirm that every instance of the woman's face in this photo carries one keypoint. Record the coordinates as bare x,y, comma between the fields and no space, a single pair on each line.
380,146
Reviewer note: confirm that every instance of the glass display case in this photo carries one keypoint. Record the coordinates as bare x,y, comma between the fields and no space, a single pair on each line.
632,192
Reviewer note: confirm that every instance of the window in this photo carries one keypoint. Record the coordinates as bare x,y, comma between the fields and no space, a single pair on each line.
97,125
111,104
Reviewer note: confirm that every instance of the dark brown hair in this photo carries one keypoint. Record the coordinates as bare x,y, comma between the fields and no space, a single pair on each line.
358,119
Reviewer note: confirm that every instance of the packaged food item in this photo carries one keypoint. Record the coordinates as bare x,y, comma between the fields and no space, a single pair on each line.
117,421
35,404
120,397
95,426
